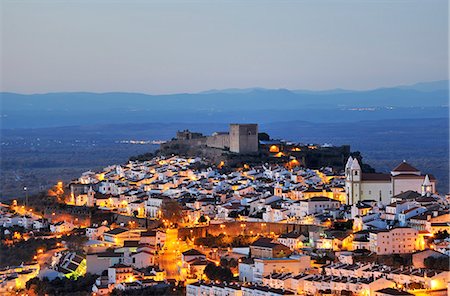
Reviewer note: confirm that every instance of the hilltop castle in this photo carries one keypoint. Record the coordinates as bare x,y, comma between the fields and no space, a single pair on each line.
240,139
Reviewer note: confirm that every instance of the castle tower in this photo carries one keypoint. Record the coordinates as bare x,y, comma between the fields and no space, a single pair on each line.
244,138
353,174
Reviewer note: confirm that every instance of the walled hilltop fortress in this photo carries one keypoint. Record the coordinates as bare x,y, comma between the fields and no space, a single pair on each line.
241,139
243,143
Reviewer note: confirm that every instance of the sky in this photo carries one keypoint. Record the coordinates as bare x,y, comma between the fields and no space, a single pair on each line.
168,46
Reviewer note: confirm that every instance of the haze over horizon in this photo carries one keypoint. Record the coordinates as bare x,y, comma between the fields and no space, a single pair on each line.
420,86
171,47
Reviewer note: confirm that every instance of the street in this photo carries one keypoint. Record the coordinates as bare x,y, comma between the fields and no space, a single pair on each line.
170,256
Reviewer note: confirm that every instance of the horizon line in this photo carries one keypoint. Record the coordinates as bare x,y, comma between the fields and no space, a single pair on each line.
218,90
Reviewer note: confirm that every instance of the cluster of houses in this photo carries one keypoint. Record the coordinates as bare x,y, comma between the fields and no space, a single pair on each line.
346,214
15,216
123,258
296,275
264,193
14,278
395,213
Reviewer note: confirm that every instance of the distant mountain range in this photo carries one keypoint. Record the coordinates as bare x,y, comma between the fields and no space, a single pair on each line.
421,100
421,86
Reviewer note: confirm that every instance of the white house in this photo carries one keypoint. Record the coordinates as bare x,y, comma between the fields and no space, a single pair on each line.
61,227
96,232
313,205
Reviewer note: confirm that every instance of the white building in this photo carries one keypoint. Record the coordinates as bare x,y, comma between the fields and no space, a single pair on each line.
267,266
400,240
153,206
313,205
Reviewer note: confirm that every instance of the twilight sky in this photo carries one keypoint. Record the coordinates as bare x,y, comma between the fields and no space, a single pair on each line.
188,46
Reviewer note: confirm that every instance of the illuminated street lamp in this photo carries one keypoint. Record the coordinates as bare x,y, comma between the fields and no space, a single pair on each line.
26,195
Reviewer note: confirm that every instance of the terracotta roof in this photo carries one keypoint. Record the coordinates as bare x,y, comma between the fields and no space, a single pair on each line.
405,167
193,252
376,177
130,244
116,231
319,198
265,242
408,195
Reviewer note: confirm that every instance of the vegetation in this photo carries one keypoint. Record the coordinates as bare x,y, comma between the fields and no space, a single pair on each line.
441,235
142,157
62,287
39,158
232,263
25,250
218,273
171,211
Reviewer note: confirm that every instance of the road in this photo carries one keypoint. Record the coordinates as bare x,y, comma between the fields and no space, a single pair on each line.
45,259
170,257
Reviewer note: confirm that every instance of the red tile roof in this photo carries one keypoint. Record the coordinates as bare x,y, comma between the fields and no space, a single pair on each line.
405,167
376,177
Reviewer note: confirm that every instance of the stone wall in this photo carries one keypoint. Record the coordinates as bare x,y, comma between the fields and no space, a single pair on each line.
245,228
220,141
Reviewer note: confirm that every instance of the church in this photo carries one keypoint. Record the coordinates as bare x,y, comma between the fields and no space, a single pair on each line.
381,187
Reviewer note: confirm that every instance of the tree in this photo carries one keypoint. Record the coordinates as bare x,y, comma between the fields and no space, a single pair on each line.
171,211
263,137
142,157
202,219
64,286
441,235
218,273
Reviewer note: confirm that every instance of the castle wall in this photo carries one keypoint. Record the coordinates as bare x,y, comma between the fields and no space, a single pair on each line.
220,141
